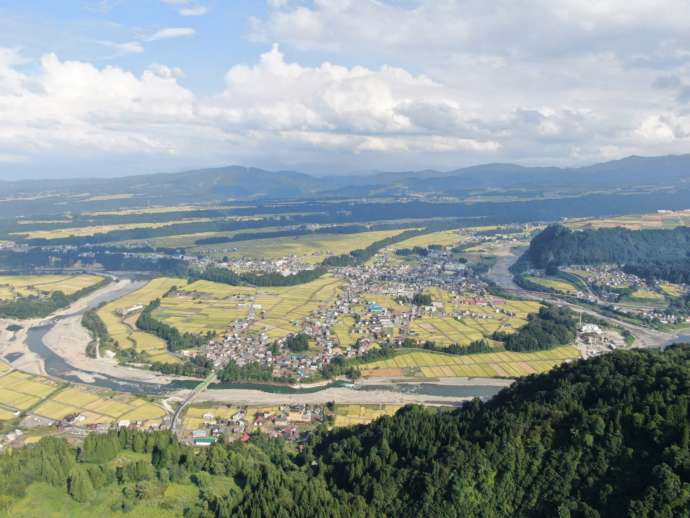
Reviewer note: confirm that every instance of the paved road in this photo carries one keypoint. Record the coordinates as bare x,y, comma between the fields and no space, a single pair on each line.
192,395
501,275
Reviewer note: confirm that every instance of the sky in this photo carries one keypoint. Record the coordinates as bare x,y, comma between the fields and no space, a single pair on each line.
92,88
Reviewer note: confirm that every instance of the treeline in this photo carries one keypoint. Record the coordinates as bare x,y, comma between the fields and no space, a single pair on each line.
559,246
608,436
227,276
38,306
362,255
676,271
233,373
98,331
176,341
550,327
197,367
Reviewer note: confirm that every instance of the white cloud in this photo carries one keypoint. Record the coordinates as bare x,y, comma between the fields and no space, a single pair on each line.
166,72
197,10
130,47
171,32
187,7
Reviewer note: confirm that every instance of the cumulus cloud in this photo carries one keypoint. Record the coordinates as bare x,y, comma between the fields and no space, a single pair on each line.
171,32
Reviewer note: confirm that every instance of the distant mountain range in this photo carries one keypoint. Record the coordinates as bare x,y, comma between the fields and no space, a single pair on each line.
500,181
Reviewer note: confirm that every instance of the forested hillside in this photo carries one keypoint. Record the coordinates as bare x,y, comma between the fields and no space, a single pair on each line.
560,246
604,437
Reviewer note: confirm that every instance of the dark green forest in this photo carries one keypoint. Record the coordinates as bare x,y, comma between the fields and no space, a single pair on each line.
597,438
560,246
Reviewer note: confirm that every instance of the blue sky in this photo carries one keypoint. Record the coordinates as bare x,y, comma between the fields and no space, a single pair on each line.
115,87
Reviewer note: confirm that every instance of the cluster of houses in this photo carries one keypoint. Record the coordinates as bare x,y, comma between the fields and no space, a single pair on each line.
289,422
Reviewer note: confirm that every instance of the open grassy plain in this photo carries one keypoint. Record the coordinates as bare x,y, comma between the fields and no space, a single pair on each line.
484,365
123,330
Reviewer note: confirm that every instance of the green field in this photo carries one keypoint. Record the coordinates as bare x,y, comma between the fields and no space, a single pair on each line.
12,286
488,365
554,283
312,248
671,290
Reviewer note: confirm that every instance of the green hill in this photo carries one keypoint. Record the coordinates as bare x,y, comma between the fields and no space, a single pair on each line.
604,437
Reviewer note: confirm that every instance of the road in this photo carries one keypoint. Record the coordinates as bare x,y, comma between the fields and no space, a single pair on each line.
501,275
192,395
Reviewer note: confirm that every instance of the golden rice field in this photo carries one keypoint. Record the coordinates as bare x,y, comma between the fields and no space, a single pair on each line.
26,285
487,316
552,283
343,331
205,305
99,407
484,365
21,391
312,248
124,332
351,415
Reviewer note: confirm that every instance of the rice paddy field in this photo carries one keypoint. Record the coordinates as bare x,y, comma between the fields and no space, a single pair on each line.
123,330
22,392
351,415
99,407
484,365
205,305
12,286
311,248
554,283
193,417
486,316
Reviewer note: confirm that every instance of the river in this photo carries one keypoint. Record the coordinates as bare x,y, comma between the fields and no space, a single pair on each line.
56,366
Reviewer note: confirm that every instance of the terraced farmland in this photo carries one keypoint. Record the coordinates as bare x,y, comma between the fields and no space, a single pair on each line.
489,365
12,286
123,330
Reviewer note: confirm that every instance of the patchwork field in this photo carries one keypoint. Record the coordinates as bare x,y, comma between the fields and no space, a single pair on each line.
646,296
20,391
669,219
488,365
123,330
553,283
99,407
464,319
351,415
671,290
205,305
12,286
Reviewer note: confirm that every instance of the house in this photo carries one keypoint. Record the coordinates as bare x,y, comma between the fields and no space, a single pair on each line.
204,441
